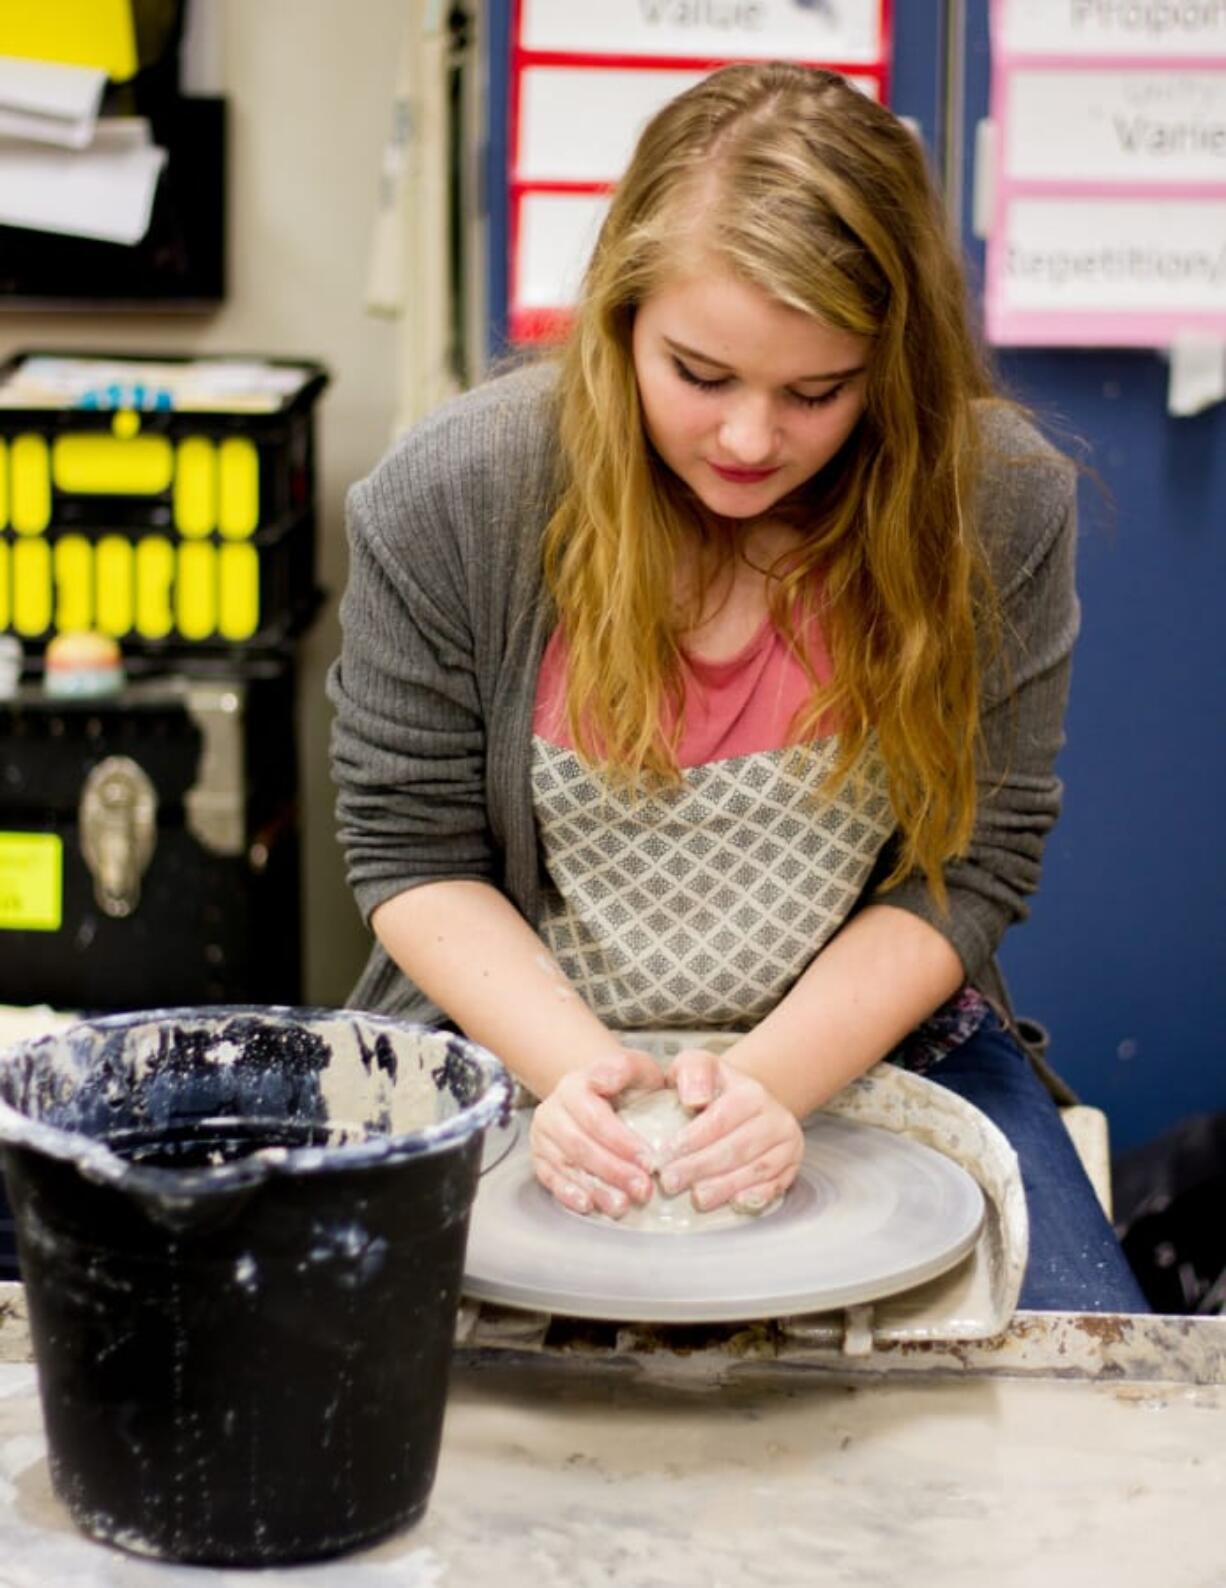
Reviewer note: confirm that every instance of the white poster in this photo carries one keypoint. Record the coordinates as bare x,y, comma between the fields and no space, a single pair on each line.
1108,256
557,232
1116,126
577,124
801,30
580,123
1148,28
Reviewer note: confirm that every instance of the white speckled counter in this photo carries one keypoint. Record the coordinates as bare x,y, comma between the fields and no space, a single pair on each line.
1072,1451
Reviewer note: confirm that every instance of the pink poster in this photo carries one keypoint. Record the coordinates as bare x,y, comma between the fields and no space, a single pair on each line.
1107,222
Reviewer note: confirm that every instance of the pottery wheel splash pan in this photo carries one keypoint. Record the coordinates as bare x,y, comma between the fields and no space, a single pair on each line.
871,1213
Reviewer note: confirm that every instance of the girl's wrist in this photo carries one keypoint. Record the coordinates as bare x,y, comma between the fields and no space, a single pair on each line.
543,1077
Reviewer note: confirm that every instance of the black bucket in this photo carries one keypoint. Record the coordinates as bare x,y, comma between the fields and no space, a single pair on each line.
242,1235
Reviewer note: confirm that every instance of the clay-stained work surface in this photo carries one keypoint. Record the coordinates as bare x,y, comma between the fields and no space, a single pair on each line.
555,1476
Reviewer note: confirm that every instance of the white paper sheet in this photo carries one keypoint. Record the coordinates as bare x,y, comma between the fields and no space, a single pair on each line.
1198,375
105,191
49,103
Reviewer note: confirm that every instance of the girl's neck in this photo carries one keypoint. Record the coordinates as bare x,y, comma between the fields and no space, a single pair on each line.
723,587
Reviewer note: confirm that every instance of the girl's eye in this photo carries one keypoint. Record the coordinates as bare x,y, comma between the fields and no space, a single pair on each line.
691,379
687,374
820,402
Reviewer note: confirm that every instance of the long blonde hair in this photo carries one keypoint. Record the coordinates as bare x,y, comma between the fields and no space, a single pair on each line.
801,186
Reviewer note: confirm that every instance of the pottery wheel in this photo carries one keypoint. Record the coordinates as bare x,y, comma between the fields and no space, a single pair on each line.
870,1213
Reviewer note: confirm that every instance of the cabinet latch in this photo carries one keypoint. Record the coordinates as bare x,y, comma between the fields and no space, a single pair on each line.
118,826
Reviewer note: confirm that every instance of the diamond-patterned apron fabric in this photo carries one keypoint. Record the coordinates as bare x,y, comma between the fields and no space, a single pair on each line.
702,904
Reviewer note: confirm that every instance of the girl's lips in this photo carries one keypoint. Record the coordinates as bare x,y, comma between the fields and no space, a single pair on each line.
743,476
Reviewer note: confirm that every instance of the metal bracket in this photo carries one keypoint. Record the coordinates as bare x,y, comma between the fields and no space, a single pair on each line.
215,806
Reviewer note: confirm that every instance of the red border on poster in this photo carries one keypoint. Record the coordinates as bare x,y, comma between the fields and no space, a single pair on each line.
549,324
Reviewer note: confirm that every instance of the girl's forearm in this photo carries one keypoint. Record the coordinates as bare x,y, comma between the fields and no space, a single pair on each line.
467,947
885,972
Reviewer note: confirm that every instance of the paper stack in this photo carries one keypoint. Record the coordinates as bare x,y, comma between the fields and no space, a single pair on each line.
64,170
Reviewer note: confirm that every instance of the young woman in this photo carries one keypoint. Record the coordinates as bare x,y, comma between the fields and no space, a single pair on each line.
712,675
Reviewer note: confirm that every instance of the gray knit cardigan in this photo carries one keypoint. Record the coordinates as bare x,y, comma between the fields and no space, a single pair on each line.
445,620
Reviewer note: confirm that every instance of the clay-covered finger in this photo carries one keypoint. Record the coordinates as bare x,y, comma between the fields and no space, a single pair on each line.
710,1145
581,1148
749,1189
564,1189
598,1121
729,1112
695,1075
606,1197
749,1150
628,1071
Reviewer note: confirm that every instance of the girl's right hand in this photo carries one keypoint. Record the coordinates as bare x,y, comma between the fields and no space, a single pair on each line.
581,1151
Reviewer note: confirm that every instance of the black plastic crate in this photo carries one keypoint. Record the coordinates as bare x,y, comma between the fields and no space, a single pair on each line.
176,517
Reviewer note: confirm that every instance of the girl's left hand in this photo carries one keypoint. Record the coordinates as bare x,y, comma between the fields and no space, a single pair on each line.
744,1147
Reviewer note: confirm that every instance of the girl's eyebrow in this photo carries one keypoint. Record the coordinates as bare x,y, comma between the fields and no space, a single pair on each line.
715,363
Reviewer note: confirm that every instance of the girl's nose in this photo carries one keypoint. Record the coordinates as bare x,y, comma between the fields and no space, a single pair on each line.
747,434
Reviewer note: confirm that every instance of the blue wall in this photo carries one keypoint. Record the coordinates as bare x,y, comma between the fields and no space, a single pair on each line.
1123,958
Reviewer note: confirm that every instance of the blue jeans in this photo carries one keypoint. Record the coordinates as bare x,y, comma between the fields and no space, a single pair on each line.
1076,1264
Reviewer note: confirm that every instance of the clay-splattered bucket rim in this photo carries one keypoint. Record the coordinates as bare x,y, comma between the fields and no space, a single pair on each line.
96,1161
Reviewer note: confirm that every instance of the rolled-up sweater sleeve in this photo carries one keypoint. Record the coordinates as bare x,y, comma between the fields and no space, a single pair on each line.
408,735
1024,692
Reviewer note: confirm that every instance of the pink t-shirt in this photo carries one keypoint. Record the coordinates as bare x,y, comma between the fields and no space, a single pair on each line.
735,707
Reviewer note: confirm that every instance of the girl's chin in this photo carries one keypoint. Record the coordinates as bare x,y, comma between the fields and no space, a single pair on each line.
738,501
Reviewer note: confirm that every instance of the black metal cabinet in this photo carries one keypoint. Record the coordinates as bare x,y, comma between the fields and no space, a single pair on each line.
149,844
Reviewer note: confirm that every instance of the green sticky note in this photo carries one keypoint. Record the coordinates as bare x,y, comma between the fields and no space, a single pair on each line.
31,882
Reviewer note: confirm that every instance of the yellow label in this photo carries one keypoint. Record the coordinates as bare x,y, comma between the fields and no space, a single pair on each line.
195,501
30,484
113,570
4,485
238,504
31,882
32,587
74,584
77,32
98,465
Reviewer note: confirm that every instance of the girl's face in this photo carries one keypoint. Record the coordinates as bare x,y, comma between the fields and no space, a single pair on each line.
744,397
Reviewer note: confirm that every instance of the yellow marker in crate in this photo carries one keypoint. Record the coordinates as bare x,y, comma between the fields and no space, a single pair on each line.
155,573
195,496
74,583
238,613
30,485
238,510
196,590
32,588
98,465
115,577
